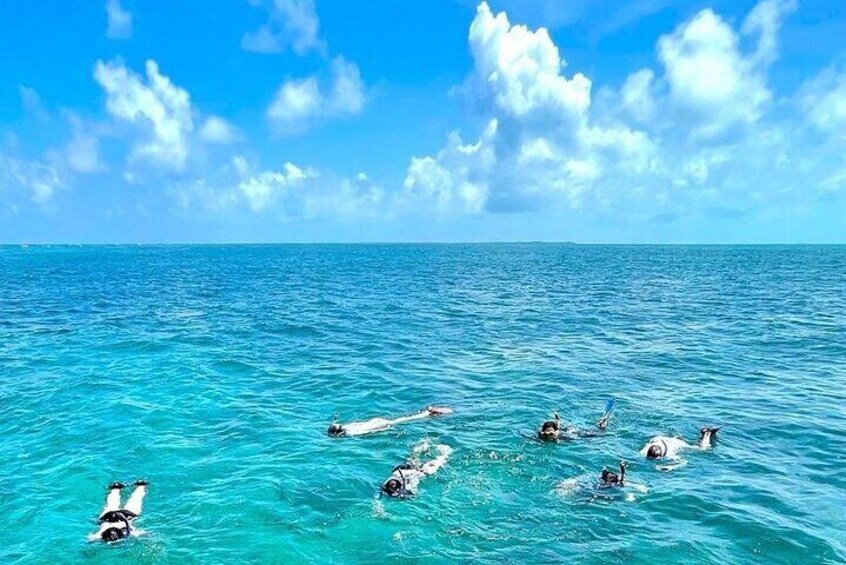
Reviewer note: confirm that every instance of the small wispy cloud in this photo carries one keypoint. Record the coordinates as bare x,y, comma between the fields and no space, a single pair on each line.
300,103
290,23
119,21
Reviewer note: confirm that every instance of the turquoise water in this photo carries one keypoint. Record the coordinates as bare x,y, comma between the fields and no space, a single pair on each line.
213,371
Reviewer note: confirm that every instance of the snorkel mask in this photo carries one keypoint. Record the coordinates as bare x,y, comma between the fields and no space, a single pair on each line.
117,533
395,487
609,478
549,430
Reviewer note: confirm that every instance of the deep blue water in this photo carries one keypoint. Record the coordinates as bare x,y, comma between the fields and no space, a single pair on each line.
213,372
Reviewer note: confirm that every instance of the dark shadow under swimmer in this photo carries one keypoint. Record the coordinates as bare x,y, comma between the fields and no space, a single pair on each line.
116,522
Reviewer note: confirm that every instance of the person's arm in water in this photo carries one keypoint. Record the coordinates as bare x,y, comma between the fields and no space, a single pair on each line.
622,473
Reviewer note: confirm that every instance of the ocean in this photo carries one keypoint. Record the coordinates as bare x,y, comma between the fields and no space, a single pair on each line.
214,371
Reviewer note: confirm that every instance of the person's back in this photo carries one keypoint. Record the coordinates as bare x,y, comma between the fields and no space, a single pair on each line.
405,478
375,425
661,447
664,447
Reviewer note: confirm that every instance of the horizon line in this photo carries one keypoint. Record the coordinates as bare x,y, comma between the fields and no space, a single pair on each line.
411,242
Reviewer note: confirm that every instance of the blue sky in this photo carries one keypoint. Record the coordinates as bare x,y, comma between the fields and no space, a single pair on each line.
439,120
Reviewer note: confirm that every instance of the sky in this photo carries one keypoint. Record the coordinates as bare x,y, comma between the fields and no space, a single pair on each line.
646,121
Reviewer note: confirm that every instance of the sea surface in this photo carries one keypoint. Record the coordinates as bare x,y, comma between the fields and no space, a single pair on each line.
214,371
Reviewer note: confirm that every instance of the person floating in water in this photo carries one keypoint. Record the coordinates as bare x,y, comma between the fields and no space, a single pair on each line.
116,522
611,479
554,430
381,424
404,479
662,447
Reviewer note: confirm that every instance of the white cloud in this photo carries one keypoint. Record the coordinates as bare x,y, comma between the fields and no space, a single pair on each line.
39,179
31,101
708,81
765,21
242,166
119,21
158,108
521,69
347,96
291,23
539,146
456,180
296,101
83,150
823,99
708,77
290,193
696,138
637,96
217,130
262,189
300,103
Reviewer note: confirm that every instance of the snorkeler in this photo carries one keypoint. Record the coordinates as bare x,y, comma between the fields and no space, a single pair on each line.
404,479
554,430
662,447
611,479
381,424
116,522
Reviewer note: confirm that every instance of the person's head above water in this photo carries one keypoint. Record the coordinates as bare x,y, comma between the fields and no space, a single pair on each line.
393,487
654,452
113,534
610,478
550,430
336,430
117,532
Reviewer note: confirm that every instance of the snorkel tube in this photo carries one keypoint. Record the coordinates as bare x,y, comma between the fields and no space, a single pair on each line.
128,527
402,491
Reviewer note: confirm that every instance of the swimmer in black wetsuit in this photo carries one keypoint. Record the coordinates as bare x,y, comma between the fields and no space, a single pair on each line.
116,522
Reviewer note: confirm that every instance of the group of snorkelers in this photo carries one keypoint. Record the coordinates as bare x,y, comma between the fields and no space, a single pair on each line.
658,448
116,521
